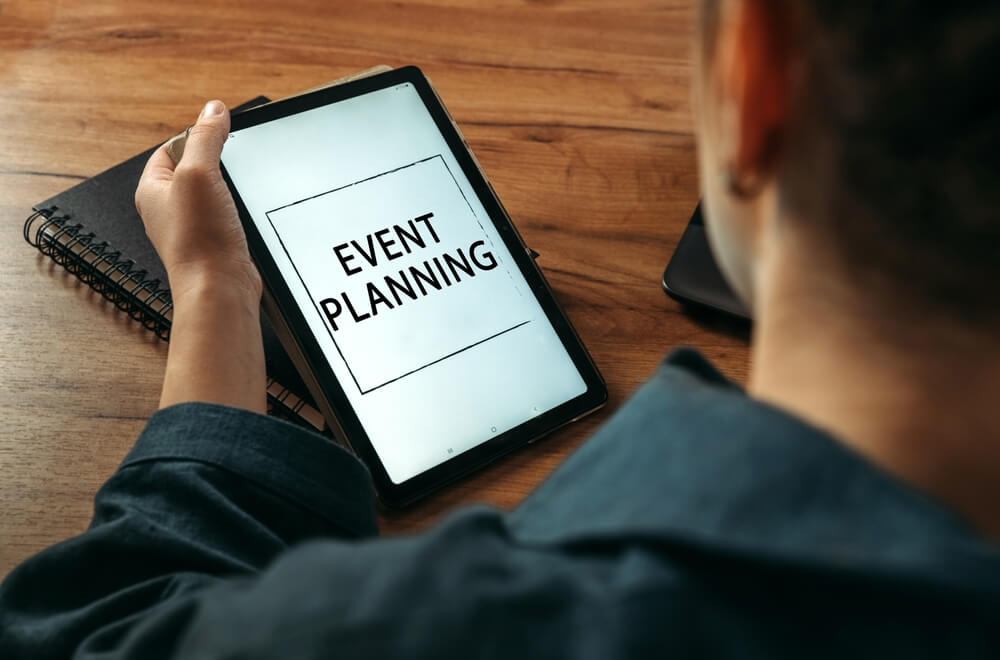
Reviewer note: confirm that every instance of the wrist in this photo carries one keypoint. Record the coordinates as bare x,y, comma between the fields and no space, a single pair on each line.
217,279
216,353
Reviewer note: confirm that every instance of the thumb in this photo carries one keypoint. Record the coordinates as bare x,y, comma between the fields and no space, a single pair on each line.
205,139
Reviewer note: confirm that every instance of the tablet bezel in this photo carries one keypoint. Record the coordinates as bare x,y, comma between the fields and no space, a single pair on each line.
391,493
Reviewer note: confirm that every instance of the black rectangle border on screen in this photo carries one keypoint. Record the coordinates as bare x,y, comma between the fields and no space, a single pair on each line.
312,298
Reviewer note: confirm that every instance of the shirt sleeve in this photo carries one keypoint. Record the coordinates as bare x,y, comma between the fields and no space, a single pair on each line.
189,556
208,493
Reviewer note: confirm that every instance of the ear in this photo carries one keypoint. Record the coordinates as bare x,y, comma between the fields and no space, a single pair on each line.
752,75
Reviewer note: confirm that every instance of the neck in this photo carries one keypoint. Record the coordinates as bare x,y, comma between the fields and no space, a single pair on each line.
914,395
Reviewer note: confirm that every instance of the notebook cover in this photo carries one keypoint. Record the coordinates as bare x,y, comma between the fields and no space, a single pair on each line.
105,205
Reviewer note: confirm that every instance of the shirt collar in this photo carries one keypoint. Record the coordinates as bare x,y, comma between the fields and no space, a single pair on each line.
691,458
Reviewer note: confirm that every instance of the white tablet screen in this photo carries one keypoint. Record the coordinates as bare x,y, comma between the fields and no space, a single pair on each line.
427,323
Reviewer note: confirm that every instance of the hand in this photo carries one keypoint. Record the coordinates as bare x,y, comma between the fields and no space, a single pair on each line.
189,213
216,353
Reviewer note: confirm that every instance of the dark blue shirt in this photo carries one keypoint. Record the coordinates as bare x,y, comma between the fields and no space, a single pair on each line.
696,523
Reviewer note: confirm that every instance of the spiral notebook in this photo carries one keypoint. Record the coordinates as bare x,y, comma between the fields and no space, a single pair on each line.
94,232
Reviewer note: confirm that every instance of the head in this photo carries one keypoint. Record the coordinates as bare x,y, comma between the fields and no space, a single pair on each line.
867,135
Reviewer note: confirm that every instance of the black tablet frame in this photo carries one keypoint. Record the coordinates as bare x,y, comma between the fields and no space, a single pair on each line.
390,493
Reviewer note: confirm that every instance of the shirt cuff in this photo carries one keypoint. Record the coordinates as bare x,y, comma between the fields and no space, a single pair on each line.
295,463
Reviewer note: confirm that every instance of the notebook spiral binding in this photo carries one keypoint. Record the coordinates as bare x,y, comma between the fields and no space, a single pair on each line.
104,269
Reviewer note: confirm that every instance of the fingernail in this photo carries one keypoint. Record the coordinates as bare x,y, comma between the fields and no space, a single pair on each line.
212,108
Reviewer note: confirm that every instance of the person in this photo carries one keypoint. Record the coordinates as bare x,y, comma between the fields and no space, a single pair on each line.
847,504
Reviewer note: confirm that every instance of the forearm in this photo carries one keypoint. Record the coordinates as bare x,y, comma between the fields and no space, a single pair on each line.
216,353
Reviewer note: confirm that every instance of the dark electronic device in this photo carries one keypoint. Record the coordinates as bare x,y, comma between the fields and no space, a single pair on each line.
397,283
693,277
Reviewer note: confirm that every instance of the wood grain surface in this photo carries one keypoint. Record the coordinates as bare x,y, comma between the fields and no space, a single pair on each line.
578,111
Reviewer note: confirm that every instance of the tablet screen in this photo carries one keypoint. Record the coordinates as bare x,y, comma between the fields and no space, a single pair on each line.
427,323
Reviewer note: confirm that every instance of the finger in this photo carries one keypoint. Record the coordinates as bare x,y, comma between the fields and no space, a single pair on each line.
175,146
159,169
205,139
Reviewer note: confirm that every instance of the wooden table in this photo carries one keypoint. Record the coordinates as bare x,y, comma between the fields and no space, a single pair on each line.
578,111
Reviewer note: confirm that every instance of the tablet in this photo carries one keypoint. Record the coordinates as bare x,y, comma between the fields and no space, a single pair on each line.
399,285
